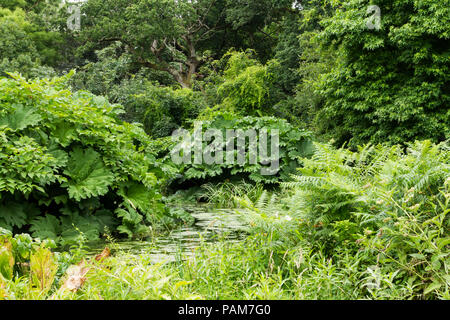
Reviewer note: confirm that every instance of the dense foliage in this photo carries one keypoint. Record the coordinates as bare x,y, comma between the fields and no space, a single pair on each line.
380,213
371,224
67,160
293,144
389,84
357,91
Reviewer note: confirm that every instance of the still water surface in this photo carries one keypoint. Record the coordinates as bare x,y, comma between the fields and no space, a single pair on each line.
210,225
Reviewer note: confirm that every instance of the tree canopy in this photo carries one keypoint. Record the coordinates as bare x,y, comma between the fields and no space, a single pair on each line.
390,84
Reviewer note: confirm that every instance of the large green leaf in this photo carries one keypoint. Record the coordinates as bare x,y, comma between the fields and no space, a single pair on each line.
89,177
75,224
6,257
47,227
106,219
12,215
21,118
64,134
129,215
138,195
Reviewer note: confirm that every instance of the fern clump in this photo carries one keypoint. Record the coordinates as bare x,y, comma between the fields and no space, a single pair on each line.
361,188
69,165
369,224
387,206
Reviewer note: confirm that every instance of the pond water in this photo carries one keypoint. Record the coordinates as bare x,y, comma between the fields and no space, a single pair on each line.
210,225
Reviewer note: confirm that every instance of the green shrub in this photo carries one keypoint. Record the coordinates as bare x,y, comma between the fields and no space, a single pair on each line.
27,46
245,84
68,163
293,144
241,84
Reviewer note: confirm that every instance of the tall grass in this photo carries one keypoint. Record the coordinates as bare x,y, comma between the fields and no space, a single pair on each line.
226,194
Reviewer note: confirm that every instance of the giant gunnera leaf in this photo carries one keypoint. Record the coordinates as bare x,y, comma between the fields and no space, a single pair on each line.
88,176
73,225
21,118
13,215
46,227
